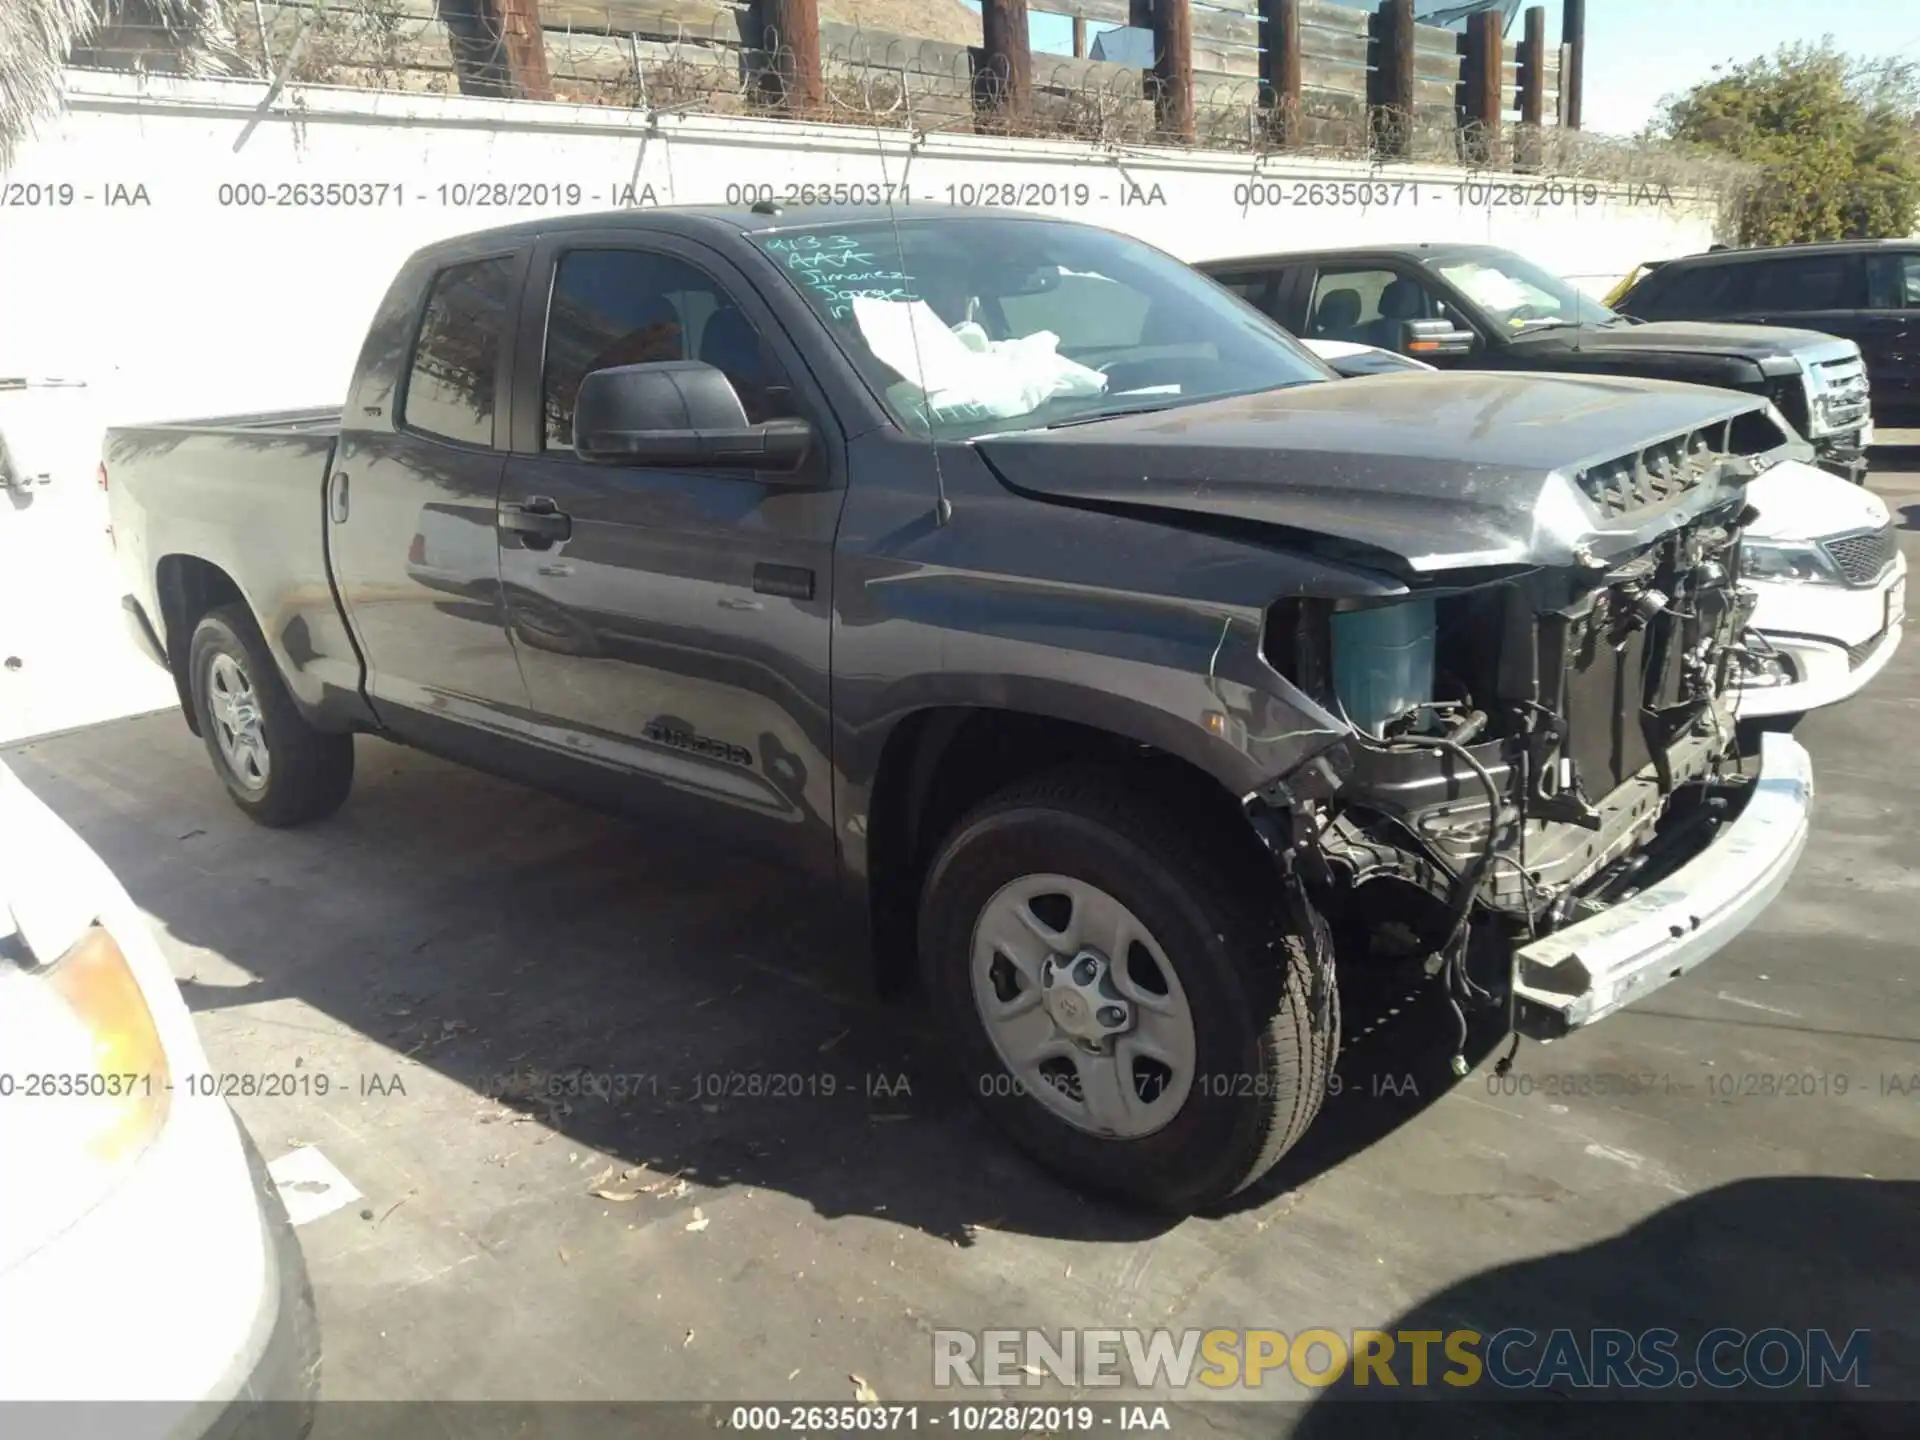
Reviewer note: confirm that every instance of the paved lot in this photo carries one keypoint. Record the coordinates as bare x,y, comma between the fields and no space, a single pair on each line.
447,930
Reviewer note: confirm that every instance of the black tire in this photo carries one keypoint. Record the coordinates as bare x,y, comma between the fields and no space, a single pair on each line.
310,771
1261,995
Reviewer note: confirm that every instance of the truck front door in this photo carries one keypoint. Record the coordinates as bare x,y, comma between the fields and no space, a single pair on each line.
673,623
411,501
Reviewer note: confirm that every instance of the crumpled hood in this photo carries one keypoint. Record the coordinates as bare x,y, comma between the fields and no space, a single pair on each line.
1440,471
1703,337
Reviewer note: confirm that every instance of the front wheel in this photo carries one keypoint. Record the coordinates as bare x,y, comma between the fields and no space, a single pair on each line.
279,769
1139,1018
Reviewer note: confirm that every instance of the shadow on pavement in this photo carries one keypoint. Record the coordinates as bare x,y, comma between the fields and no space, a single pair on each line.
653,999
1791,1254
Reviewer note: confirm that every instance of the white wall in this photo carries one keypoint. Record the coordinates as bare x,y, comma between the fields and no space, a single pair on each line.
178,306
182,306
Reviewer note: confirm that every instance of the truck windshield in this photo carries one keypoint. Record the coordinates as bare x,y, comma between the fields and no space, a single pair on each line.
968,326
1516,294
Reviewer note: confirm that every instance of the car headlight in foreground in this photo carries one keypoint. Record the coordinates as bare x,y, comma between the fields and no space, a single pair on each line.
84,1084
1791,561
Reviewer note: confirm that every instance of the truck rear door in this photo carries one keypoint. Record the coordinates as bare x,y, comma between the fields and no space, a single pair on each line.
1890,337
673,623
411,501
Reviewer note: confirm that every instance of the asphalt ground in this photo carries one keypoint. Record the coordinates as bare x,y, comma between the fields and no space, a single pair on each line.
793,1196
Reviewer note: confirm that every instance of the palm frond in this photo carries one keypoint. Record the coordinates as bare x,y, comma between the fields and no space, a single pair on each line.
38,36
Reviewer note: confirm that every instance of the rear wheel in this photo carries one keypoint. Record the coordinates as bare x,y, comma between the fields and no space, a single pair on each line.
1133,1014
279,769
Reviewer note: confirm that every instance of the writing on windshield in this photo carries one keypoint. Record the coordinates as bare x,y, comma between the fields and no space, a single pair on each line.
967,325
840,269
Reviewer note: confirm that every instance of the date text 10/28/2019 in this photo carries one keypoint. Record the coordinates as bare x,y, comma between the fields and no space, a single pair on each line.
977,1419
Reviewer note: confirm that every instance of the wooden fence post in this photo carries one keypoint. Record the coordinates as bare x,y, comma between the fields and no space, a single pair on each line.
787,33
1533,68
1573,50
498,48
1006,82
1280,37
1173,66
1393,75
1079,37
1482,84
1533,90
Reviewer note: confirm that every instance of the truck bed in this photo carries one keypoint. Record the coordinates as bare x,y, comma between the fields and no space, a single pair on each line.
309,421
237,502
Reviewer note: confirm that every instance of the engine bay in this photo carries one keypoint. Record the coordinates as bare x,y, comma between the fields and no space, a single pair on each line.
1519,740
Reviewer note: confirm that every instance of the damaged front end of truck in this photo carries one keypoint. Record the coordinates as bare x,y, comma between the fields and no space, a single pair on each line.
1542,795
1520,769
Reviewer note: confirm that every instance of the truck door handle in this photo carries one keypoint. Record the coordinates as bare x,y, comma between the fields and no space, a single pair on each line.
337,498
538,521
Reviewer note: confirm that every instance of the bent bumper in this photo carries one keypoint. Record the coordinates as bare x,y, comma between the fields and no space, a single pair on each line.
1589,970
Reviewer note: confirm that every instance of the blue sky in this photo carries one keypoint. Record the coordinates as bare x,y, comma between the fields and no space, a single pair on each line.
1640,50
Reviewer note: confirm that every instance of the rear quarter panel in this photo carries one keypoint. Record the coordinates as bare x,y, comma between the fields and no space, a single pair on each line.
249,501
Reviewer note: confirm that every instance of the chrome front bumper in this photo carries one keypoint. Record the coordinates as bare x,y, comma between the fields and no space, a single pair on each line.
1589,970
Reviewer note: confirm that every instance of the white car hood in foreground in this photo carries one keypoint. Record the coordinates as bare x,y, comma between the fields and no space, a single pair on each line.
1798,501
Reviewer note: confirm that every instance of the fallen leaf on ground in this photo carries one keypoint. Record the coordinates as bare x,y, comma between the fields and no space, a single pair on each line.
688,1341
602,1178
563,1257
608,1194
680,1188
863,1392
793,1372
699,1221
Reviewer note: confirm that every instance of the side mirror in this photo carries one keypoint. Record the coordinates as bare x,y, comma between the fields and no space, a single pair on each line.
679,412
1435,337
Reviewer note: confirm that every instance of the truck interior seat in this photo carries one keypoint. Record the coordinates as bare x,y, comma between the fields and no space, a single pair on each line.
1337,317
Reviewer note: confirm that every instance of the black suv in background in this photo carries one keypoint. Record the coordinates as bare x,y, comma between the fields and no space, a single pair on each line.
1479,307
1866,291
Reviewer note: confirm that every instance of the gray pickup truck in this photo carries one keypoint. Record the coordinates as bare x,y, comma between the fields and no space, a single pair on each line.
1125,675
1478,307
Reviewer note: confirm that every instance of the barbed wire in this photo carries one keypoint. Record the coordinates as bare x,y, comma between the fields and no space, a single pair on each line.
664,63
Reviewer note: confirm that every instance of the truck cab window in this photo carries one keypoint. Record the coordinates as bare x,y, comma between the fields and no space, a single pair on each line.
1695,291
1893,282
634,307
1256,287
456,358
1369,307
1819,282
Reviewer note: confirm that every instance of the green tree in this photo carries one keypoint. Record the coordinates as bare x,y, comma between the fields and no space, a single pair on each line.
1834,137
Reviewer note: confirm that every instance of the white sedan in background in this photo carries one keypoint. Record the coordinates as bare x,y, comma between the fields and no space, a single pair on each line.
145,1253
1823,558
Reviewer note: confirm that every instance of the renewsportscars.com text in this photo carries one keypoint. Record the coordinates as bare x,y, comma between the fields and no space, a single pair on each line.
1509,1359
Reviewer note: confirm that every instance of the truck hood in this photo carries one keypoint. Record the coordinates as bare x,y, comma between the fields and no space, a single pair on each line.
1693,337
1418,472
